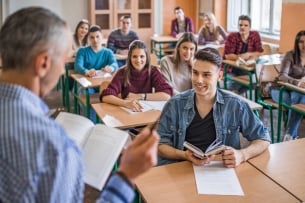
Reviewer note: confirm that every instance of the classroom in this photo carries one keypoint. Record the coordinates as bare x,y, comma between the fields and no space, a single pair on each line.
157,101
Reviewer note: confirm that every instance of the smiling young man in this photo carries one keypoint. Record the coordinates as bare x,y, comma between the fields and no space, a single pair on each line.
206,113
94,57
120,39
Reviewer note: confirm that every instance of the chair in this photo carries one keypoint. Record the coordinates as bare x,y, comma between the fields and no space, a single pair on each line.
267,49
300,108
266,74
87,99
154,60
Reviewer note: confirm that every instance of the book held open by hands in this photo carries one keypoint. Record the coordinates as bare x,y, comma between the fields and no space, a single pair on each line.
101,146
241,61
214,148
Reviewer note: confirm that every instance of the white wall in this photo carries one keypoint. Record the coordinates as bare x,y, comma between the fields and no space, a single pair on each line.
70,10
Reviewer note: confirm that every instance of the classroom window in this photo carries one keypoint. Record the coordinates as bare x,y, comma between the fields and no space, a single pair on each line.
266,16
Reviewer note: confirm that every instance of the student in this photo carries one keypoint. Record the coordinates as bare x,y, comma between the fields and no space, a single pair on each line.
177,68
211,32
245,44
181,23
120,39
292,71
80,36
95,57
206,113
39,162
138,80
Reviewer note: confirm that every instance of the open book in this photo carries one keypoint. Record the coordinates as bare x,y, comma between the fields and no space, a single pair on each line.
214,148
147,106
101,146
241,61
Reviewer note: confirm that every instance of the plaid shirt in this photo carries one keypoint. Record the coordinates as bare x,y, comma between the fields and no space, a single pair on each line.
234,43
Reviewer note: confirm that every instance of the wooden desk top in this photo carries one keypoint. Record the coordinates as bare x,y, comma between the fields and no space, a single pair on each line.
95,82
115,116
272,59
242,67
164,39
176,183
292,87
285,163
253,105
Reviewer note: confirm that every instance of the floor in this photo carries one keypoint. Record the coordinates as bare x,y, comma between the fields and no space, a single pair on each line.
54,101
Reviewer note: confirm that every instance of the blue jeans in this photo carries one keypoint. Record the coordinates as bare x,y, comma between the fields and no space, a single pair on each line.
294,118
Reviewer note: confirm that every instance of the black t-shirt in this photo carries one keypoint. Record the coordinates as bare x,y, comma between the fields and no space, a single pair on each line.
201,131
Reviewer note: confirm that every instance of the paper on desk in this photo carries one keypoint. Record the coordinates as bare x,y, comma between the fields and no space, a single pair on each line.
147,106
84,82
101,74
214,178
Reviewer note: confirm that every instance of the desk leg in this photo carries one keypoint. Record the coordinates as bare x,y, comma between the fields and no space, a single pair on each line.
66,89
75,93
87,103
250,85
279,124
63,88
225,79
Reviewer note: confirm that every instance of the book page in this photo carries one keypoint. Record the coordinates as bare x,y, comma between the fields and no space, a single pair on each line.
101,152
77,127
214,178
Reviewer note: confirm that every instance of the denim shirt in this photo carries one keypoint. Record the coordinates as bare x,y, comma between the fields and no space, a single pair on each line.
231,116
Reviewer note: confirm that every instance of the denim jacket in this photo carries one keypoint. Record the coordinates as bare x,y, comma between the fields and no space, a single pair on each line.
231,116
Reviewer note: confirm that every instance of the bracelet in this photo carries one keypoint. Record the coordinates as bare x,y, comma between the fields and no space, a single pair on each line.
145,96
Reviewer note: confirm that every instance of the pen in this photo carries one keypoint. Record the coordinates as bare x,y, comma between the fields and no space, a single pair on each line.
153,126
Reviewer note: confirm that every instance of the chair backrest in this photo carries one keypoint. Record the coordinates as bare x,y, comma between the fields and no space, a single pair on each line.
154,60
267,73
267,49
266,76
104,85
221,50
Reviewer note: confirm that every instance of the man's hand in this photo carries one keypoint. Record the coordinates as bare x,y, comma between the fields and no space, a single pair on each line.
90,73
140,155
196,161
232,157
108,69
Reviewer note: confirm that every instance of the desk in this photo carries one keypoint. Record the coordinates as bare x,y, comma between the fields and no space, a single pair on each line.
176,183
157,45
300,108
253,105
115,116
245,80
95,82
285,163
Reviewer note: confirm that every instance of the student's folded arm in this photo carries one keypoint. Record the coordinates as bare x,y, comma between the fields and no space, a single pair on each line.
111,99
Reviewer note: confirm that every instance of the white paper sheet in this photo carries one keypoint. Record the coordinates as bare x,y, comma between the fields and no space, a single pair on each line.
214,178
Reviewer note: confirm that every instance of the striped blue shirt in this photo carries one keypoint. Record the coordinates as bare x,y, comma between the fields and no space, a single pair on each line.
38,161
